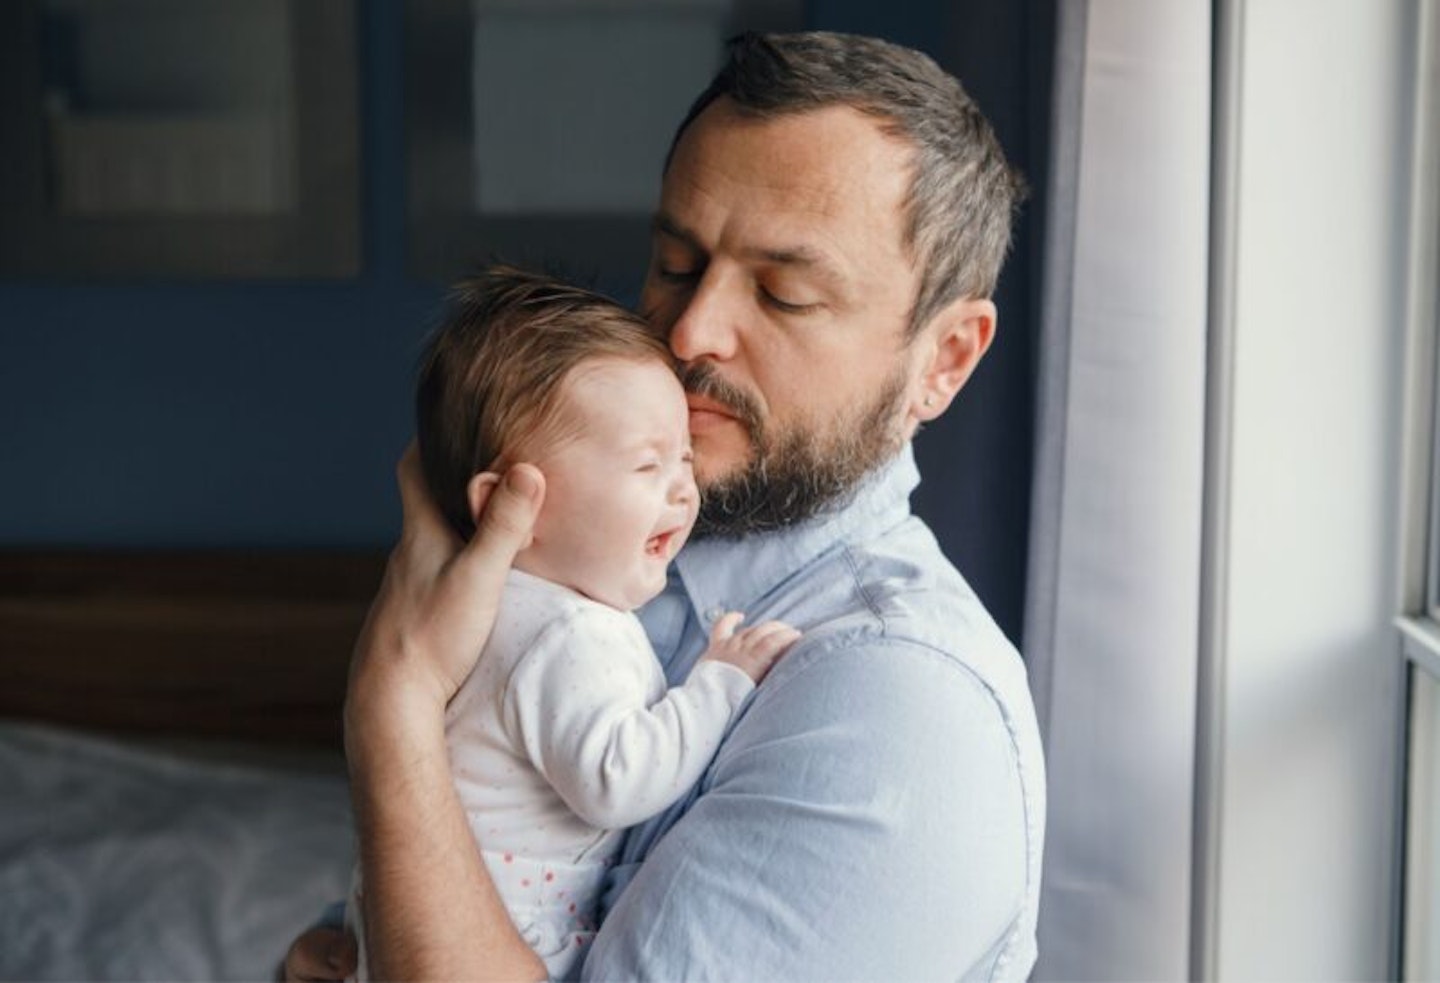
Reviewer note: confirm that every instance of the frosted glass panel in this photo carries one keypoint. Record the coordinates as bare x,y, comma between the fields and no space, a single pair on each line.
602,92
171,107
178,138
536,130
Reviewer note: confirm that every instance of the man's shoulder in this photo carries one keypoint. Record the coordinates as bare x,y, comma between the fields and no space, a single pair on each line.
897,598
898,643
905,710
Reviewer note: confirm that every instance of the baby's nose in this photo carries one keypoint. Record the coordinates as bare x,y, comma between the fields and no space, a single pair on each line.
683,491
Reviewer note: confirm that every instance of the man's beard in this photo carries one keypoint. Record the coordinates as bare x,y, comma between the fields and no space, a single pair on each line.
793,474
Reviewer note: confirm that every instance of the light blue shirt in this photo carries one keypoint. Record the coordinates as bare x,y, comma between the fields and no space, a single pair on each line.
877,810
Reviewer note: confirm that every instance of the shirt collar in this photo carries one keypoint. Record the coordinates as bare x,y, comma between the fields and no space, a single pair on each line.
722,574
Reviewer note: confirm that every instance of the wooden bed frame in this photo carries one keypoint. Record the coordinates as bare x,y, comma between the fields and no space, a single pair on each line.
248,646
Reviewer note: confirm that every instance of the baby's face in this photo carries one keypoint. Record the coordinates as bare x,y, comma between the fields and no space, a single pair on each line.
620,495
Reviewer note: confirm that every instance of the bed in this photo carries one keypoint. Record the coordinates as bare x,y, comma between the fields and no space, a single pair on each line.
173,802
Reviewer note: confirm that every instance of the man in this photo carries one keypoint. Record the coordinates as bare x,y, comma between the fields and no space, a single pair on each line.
833,217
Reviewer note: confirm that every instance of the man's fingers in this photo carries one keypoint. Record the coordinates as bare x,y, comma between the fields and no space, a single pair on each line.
504,527
508,519
478,491
440,595
322,953
421,520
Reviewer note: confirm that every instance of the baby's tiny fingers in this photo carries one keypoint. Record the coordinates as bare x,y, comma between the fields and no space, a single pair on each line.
769,644
725,627
767,629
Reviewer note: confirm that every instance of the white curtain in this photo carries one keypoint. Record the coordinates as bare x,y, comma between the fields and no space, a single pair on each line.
1112,606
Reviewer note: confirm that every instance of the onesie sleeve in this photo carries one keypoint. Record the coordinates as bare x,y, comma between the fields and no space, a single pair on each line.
589,707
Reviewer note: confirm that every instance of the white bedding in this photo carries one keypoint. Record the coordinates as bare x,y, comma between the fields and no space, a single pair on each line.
129,861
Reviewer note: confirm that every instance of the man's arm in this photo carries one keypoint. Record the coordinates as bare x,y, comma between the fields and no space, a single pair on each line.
431,910
866,819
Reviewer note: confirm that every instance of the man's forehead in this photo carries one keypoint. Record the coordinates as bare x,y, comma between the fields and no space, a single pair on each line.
822,151
792,175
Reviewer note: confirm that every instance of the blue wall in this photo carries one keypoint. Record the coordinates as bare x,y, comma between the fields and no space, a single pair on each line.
222,414
270,413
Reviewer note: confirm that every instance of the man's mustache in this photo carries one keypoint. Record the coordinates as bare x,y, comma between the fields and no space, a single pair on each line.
702,379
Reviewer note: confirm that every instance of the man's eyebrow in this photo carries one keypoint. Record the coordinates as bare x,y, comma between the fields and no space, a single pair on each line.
794,256
665,225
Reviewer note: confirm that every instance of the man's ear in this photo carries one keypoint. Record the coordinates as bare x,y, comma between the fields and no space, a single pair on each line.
952,345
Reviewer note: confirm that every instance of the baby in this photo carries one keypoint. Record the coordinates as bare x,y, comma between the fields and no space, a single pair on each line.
565,733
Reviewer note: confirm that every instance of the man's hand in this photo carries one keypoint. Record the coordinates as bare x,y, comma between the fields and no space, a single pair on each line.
437,602
751,650
431,910
320,955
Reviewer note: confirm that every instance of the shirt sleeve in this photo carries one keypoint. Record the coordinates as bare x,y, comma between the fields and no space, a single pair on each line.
865,820
589,706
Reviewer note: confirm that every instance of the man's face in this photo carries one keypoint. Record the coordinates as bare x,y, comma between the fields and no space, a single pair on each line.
778,269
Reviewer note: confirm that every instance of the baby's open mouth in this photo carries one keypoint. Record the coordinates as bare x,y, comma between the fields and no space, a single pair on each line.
660,545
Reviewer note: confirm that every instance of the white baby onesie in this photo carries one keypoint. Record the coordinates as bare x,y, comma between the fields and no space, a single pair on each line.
563,735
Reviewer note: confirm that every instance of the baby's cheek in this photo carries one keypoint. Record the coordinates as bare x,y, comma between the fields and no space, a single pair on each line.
604,559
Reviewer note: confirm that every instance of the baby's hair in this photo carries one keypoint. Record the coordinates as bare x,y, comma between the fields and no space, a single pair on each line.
491,374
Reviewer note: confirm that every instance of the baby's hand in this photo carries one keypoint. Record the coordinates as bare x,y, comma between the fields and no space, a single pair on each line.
752,650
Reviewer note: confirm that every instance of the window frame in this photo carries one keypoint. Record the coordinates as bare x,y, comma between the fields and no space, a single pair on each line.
1432,530
1418,623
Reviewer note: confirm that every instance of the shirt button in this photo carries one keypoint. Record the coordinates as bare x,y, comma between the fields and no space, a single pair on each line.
714,614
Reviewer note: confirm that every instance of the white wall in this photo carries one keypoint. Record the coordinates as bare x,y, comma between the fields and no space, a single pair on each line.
1305,833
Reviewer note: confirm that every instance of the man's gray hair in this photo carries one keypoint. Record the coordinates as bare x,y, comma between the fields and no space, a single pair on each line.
963,194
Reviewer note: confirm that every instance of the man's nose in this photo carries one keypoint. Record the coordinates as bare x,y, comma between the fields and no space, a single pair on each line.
707,325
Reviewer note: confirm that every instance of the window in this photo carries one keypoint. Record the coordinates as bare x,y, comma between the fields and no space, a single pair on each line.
159,138
535,131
